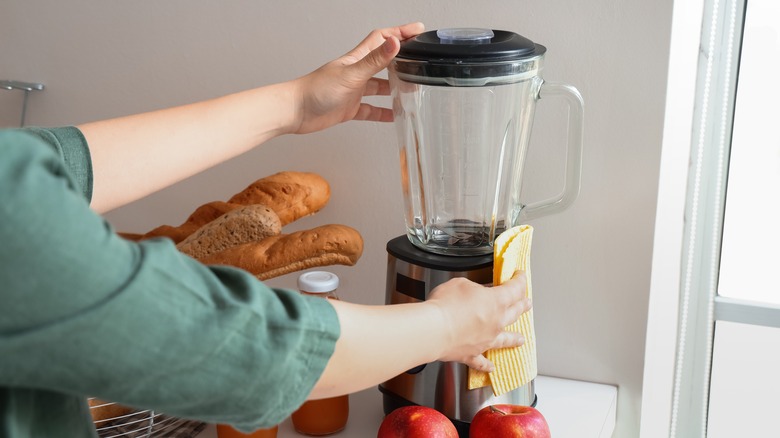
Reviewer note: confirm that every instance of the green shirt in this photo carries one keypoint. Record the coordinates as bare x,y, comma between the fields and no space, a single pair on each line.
84,312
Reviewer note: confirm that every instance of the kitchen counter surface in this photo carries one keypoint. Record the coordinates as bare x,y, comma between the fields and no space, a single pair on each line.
572,409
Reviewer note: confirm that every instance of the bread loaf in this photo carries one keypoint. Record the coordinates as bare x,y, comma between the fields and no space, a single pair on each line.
102,410
245,224
135,237
200,217
291,195
285,253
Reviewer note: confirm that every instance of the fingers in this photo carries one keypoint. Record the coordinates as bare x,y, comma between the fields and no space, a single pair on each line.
508,340
373,113
480,363
377,87
376,60
503,340
376,51
515,310
378,37
513,296
408,30
513,290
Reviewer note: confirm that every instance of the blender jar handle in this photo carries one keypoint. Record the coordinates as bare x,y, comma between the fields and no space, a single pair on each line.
573,152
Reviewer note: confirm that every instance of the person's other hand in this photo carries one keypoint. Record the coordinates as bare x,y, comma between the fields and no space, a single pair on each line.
476,317
333,93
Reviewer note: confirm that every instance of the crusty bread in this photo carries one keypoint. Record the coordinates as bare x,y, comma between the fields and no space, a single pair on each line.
245,224
200,217
291,195
102,410
135,237
285,253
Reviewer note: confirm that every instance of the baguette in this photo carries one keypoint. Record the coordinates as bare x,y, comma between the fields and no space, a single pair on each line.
245,224
135,237
286,253
103,411
200,217
291,195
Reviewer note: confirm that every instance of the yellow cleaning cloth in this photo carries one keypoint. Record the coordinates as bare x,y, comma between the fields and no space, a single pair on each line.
514,366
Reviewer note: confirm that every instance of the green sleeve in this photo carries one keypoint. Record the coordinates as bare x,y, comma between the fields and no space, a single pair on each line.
69,143
84,312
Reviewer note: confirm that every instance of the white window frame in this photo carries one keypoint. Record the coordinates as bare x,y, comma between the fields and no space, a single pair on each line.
684,305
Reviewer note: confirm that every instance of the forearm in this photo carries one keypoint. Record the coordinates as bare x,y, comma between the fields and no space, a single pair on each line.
169,145
458,322
380,342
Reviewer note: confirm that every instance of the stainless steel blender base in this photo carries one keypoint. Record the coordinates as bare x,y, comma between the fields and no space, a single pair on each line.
411,275
444,387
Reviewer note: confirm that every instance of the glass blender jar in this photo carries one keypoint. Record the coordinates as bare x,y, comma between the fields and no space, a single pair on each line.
464,102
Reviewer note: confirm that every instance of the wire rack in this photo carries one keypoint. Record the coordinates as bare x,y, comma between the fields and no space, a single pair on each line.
26,87
145,424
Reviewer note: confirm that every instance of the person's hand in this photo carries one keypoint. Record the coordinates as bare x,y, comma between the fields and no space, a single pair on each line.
476,317
458,322
332,94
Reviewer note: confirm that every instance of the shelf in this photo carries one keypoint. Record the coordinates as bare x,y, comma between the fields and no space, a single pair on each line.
572,409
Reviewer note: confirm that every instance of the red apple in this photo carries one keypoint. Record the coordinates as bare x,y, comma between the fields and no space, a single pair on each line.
416,422
509,421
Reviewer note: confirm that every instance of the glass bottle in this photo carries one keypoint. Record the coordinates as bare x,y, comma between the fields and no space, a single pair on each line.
329,415
226,431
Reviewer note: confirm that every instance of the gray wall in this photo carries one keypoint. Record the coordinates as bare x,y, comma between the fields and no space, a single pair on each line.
591,264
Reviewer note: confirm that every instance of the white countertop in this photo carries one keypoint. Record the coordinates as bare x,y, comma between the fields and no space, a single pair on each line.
572,409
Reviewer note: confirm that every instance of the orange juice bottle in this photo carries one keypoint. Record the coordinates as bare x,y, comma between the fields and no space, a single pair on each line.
225,431
329,415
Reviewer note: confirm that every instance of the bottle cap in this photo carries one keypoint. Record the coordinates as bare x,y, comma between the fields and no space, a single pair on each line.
318,281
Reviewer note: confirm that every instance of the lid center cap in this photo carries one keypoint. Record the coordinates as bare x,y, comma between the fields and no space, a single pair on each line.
465,35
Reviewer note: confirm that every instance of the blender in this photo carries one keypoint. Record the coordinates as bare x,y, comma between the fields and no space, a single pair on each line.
463,102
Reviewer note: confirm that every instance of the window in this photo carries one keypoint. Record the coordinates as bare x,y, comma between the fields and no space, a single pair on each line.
751,235
713,345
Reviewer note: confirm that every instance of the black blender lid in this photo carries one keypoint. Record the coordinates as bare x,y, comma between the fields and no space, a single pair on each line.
468,57
458,45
